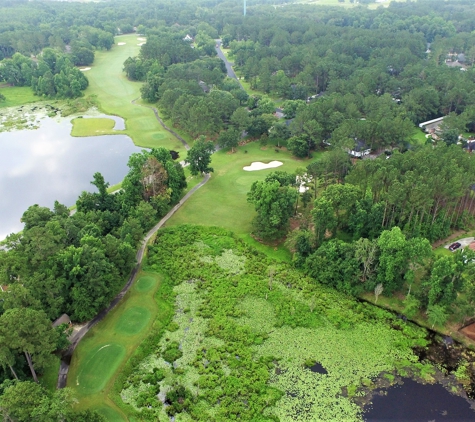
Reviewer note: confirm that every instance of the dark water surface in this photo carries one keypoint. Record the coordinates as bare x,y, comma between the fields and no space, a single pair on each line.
417,402
47,164
318,368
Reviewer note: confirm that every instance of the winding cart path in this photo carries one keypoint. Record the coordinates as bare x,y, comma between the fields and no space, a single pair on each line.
76,337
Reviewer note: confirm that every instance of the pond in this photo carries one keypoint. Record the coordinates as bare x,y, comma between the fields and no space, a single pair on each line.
47,164
416,402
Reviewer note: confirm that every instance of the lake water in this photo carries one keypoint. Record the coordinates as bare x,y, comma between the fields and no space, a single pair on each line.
47,164
418,403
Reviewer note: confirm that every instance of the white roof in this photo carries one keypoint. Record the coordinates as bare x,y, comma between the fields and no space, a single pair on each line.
430,121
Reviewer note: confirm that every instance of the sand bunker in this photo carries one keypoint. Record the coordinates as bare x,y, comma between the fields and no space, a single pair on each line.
84,69
140,43
257,165
121,43
141,39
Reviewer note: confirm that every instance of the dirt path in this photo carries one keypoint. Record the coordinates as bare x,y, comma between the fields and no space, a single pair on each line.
155,111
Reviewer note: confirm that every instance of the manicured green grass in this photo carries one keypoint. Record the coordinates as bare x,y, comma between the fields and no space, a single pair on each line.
99,365
17,95
102,353
92,127
223,200
111,415
442,251
115,187
419,136
280,252
115,94
144,284
133,320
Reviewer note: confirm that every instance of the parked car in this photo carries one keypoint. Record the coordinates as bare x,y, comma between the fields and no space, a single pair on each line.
454,246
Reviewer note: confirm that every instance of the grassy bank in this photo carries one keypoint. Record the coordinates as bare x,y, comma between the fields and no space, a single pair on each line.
17,96
103,352
115,94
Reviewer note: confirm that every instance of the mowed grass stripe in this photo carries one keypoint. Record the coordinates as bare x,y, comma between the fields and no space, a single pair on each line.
100,363
103,352
133,320
115,92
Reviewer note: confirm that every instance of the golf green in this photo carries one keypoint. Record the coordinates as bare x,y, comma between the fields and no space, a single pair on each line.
99,365
133,320
144,284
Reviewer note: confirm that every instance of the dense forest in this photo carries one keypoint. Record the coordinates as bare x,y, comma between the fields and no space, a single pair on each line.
341,78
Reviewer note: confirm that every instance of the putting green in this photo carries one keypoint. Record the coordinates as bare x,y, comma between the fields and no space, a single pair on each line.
99,365
133,321
144,284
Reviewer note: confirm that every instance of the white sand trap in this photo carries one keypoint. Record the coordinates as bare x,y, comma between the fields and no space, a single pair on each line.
257,165
121,43
85,69
141,39
140,43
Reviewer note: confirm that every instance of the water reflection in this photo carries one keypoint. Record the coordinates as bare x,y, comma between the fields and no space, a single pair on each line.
47,164
418,402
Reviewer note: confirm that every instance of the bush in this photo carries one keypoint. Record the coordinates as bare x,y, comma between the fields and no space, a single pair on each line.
172,352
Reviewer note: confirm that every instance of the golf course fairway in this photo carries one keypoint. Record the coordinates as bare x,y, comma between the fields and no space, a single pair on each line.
115,94
106,348
223,200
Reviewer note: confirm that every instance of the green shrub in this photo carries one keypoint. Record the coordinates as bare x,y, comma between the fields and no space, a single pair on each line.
172,352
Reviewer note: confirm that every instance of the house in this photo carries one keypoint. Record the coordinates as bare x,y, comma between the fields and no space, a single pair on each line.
431,125
204,87
359,150
63,319
188,38
470,145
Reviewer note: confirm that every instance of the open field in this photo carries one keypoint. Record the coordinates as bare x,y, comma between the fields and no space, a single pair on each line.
106,348
115,93
228,188
17,95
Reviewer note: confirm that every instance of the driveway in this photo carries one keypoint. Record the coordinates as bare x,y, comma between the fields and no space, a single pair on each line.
229,65
465,242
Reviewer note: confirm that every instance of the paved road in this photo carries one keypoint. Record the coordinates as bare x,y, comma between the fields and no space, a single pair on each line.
229,65
232,74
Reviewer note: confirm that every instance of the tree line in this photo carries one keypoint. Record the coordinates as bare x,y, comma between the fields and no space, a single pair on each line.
369,225
51,75
75,264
